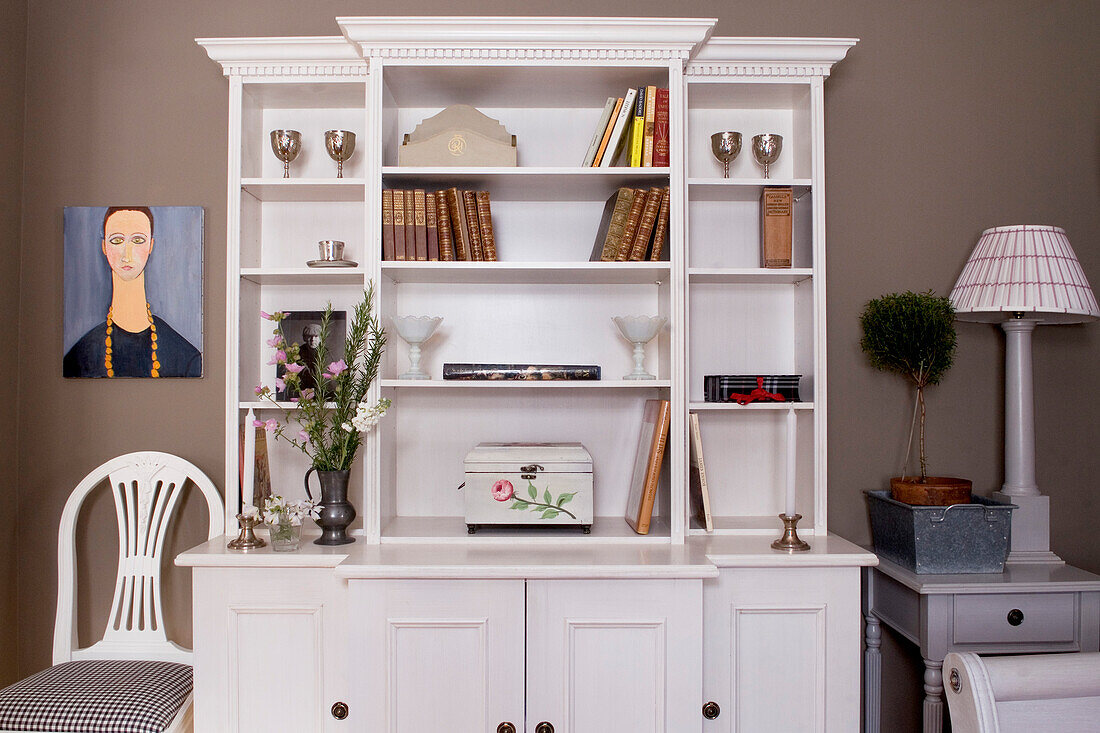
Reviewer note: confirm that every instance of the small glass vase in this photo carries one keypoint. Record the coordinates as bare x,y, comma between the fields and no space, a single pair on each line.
285,536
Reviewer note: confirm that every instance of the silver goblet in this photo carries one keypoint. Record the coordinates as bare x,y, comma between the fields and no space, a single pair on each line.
766,149
340,145
286,144
725,146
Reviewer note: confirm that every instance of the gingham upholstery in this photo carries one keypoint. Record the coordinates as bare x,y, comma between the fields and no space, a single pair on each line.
97,696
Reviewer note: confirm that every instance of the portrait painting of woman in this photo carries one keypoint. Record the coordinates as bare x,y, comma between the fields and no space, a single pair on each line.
133,291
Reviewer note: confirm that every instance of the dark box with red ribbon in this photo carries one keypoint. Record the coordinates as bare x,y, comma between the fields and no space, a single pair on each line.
719,387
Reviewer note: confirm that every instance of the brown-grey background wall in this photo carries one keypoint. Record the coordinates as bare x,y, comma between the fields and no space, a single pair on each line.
947,118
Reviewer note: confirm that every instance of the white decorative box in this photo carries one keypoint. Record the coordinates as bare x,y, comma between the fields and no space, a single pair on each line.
528,484
460,135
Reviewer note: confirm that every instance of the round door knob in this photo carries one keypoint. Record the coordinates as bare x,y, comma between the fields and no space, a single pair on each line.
711,710
544,727
1015,617
339,710
506,728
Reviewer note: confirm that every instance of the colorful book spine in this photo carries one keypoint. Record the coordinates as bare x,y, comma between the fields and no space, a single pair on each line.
598,133
485,222
660,131
522,372
618,135
458,220
399,224
630,228
598,160
446,238
645,226
433,226
660,233
387,225
637,130
650,119
470,202
420,223
410,226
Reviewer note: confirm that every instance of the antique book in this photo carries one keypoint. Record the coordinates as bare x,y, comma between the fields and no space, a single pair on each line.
433,226
597,134
610,230
458,221
697,481
420,223
647,465
775,226
410,226
443,219
660,130
485,223
645,227
631,225
522,372
470,202
387,225
650,112
660,232
619,133
637,130
607,133
398,224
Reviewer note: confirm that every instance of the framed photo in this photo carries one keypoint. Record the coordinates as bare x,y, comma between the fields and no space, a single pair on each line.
304,328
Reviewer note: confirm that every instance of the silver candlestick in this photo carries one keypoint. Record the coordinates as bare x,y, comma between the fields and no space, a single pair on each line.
790,542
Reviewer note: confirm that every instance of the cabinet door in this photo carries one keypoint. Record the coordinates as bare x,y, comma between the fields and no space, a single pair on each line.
437,655
268,651
781,650
614,655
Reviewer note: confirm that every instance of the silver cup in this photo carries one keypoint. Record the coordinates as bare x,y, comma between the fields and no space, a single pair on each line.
340,145
286,144
766,149
725,146
331,250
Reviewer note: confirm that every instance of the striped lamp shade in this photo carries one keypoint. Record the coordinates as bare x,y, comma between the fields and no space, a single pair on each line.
1024,269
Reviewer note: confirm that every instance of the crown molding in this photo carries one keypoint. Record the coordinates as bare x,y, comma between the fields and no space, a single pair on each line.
285,56
733,56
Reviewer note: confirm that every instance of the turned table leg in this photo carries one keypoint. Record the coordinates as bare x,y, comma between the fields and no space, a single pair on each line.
933,695
872,675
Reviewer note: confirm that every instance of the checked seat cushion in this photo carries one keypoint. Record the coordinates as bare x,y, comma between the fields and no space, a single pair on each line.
97,696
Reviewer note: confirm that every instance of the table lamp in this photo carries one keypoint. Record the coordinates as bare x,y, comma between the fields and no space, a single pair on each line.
1019,277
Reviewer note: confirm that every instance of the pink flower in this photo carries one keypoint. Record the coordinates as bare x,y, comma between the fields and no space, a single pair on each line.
258,390
294,368
271,425
307,393
257,423
293,399
303,435
334,369
275,341
502,490
276,316
266,316
279,358
279,383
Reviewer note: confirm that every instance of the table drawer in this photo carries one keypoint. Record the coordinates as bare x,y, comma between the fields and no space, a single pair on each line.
1008,618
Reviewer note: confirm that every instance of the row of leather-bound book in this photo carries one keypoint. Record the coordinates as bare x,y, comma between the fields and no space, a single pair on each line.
448,225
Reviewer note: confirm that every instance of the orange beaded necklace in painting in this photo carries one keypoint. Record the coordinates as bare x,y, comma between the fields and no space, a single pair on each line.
155,370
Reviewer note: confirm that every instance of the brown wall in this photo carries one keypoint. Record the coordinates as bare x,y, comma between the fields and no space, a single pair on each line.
947,118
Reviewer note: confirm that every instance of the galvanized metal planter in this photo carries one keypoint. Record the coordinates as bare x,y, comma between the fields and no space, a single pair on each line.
964,538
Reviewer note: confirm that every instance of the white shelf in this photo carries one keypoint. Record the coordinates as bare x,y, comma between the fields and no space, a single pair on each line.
605,530
746,525
741,189
528,184
304,189
303,275
264,405
752,406
553,273
741,275
526,384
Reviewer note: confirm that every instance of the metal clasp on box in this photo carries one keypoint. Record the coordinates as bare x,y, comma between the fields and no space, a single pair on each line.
528,472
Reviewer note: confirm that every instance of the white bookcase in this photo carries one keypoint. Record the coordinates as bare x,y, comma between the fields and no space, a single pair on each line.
545,80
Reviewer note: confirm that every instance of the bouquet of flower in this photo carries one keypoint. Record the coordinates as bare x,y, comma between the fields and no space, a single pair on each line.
330,432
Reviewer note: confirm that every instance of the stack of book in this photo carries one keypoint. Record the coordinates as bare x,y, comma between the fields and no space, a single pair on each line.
633,127
437,226
634,226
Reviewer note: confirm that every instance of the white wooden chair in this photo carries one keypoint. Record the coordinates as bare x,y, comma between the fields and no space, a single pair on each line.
134,678
1029,693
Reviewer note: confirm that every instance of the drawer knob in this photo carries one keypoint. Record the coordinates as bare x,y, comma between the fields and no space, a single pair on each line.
544,727
1015,617
711,710
506,728
339,710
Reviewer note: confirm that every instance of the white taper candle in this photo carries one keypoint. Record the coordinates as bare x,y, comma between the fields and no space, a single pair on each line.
792,452
248,476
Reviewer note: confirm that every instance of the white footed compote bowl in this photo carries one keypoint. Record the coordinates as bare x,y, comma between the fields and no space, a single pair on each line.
639,330
415,330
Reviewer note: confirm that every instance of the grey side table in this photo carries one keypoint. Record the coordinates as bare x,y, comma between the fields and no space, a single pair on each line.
1025,609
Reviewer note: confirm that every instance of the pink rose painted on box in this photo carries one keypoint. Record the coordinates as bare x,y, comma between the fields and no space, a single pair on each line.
502,490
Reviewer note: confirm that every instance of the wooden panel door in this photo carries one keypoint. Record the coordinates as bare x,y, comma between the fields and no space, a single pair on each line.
781,650
437,655
614,655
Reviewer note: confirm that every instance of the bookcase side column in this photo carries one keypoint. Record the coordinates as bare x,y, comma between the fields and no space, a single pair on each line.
372,265
232,487
820,414
678,295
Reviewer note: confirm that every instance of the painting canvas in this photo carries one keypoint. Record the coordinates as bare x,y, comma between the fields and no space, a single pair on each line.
133,291
304,328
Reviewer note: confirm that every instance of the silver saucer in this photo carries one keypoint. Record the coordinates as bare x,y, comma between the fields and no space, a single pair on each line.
331,263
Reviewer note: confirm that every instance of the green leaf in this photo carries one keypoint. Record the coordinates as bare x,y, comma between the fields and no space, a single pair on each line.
532,491
549,513
520,504
546,498
566,498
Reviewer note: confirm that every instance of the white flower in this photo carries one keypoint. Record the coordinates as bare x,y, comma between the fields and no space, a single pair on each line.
349,427
250,511
366,417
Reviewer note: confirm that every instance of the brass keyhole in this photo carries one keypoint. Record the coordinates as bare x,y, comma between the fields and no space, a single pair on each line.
544,727
506,728
1015,617
711,710
339,710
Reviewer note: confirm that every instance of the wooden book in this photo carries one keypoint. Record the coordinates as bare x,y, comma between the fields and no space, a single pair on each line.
470,202
637,130
660,232
619,133
420,223
398,225
607,133
485,222
645,227
775,226
660,130
410,226
433,226
700,494
446,236
610,231
650,118
647,465
458,222
630,228
597,134
387,225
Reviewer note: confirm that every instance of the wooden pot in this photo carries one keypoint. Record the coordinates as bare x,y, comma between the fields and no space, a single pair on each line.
933,491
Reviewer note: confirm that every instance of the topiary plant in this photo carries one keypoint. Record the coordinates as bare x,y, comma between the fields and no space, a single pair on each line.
911,334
